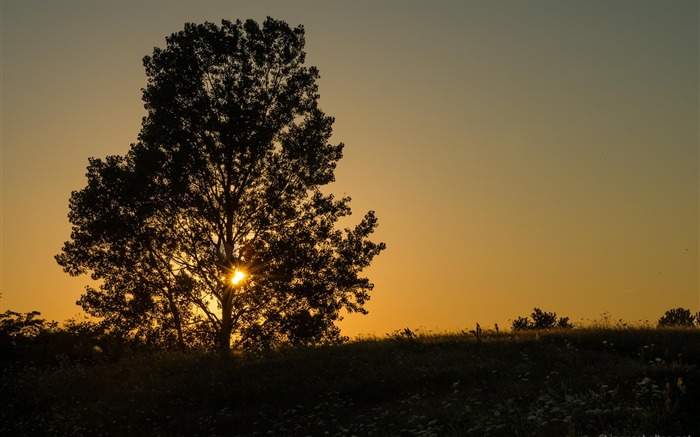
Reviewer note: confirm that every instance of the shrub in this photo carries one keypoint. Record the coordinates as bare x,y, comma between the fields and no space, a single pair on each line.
522,324
541,320
677,317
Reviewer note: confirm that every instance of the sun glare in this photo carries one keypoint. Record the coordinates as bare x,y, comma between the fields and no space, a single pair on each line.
238,276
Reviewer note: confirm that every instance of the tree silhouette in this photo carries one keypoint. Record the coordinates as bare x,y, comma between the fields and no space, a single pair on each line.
16,325
226,178
540,320
677,317
522,324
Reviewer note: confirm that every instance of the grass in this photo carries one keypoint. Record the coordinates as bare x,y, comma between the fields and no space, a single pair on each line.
551,383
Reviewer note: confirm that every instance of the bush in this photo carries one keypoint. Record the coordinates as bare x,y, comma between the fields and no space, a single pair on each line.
521,324
540,320
19,330
678,317
25,337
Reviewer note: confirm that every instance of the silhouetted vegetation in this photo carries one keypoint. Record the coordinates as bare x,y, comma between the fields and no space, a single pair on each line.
679,317
540,320
27,338
226,179
556,382
18,331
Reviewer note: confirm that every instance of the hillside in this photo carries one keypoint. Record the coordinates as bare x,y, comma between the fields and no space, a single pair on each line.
553,383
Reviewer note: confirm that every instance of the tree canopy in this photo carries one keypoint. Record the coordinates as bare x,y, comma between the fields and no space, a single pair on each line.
678,317
540,320
226,177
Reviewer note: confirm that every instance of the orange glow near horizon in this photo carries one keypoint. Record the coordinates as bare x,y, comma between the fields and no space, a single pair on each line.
531,154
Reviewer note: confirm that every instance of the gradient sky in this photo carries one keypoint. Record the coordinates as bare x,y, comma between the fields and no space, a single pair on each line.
517,153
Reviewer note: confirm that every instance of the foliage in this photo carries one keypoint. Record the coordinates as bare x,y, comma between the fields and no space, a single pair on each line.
540,320
24,337
678,317
15,325
521,324
19,330
226,176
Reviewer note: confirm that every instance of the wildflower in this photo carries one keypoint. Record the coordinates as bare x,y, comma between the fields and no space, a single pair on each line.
680,385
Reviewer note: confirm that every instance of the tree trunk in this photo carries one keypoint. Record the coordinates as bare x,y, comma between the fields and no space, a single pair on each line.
226,313
177,321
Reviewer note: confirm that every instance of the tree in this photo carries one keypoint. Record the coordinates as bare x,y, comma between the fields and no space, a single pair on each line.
522,324
540,320
225,180
20,330
15,325
677,317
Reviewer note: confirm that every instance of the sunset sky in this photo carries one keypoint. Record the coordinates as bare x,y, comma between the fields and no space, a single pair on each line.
517,153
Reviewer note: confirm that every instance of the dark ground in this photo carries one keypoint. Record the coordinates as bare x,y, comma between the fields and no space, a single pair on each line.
552,383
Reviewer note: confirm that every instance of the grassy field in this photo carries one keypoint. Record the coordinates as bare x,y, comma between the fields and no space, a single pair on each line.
552,383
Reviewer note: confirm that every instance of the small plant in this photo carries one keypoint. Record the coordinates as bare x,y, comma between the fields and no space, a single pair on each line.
477,333
403,334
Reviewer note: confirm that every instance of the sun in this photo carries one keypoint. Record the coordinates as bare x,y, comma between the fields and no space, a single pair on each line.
238,276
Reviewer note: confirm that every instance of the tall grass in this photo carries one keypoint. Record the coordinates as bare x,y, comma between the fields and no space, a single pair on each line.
548,383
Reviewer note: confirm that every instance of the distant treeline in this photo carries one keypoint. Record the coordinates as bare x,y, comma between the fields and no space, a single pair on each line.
545,320
28,337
